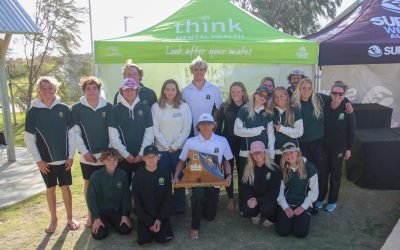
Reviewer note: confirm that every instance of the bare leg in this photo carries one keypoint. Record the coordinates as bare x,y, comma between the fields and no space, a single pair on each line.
51,202
231,205
89,216
67,197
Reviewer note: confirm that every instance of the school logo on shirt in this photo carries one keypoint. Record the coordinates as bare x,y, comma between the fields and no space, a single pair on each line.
103,114
264,114
268,176
174,115
340,155
216,150
161,181
140,112
119,184
208,97
341,116
145,101
61,114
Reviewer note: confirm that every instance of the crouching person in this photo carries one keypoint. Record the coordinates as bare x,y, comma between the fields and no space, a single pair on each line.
152,194
108,197
260,186
299,189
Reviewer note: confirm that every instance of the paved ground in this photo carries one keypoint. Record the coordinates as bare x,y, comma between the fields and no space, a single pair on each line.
20,179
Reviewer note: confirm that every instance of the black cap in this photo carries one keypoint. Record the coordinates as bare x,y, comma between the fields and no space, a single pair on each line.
151,149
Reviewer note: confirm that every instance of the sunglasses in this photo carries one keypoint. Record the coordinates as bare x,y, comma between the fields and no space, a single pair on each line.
262,95
337,93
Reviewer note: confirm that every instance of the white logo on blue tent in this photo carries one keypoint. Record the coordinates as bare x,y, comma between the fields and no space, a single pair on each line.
374,51
391,5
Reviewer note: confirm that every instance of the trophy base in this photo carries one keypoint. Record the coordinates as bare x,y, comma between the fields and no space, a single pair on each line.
188,184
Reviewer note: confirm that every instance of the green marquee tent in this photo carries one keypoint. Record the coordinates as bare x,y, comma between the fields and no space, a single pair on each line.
217,30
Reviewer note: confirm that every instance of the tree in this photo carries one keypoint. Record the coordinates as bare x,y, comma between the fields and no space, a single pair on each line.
296,17
59,21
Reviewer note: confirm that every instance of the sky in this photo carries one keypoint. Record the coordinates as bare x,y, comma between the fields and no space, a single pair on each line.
108,17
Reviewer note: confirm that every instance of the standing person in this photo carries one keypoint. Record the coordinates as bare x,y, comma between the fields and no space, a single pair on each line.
146,95
312,112
205,199
225,123
89,117
152,194
130,128
200,95
254,123
50,139
108,197
287,121
299,189
294,79
339,136
270,84
261,184
172,124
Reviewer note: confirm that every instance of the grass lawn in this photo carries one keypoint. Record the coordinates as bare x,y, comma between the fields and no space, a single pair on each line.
363,220
18,129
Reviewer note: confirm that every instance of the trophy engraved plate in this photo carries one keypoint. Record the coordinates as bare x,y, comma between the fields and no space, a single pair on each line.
202,170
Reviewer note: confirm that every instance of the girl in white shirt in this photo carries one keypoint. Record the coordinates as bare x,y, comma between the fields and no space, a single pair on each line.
172,123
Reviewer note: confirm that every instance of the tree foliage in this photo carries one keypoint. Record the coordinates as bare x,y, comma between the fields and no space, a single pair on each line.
296,17
59,21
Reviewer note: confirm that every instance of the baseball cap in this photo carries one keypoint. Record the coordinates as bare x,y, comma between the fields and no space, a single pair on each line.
129,83
297,71
205,118
262,89
257,146
289,147
151,149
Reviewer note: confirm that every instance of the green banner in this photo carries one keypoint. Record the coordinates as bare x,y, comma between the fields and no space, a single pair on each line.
217,30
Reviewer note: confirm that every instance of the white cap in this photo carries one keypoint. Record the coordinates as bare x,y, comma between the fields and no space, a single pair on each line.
206,118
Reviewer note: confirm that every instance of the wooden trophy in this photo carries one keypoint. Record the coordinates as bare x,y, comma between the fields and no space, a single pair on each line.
203,170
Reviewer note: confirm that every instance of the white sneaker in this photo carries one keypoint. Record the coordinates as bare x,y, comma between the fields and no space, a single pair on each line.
267,223
256,220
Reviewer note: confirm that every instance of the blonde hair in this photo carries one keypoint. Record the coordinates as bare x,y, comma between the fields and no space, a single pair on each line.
129,64
53,81
287,172
177,99
250,107
248,173
315,99
89,80
245,97
289,116
198,62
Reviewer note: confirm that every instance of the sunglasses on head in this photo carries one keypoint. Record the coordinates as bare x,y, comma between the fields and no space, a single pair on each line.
337,93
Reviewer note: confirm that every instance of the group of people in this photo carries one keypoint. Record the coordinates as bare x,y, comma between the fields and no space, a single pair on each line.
287,146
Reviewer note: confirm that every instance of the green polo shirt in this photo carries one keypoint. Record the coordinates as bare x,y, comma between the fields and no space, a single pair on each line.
50,126
131,125
93,125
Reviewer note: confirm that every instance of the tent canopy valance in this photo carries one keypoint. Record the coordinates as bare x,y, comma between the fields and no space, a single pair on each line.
217,30
369,34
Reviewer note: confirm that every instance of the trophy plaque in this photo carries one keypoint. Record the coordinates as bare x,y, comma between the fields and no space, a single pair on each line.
202,170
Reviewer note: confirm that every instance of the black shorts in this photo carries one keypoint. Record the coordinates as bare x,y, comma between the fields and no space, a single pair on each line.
57,175
88,170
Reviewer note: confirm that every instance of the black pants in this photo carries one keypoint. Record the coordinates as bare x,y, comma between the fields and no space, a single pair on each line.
146,236
204,204
130,168
314,152
234,161
267,210
298,225
277,159
332,173
240,169
113,219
